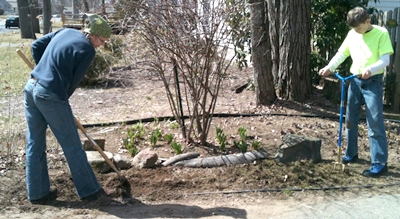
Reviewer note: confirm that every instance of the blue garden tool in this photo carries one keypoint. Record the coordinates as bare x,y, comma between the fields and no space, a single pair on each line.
339,143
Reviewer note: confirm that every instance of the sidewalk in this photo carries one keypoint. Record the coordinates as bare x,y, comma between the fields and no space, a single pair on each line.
383,205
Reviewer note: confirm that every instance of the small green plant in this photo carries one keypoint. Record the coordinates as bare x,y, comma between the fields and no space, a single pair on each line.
177,147
133,151
153,139
174,125
158,133
129,143
168,138
134,133
139,130
221,137
287,192
241,145
242,133
156,121
155,136
256,145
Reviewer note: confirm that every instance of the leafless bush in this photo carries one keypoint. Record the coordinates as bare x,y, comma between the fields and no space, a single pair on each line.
194,37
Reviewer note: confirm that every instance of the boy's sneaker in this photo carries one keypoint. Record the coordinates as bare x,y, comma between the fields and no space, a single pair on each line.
46,199
376,170
346,159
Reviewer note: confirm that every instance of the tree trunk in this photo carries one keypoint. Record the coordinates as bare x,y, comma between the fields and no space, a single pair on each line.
294,74
103,7
85,6
25,20
34,12
75,9
261,47
273,18
46,16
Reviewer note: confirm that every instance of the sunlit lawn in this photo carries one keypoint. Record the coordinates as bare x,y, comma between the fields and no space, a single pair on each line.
13,70
13,76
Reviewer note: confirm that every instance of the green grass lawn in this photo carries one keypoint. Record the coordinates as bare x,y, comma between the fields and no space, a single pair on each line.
13,70
13,76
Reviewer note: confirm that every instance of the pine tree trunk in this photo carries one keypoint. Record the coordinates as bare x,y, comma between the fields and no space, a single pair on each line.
261,47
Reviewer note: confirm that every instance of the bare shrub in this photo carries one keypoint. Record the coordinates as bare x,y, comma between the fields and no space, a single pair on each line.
193,37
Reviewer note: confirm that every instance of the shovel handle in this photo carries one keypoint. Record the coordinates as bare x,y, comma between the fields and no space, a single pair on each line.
96,146
23,57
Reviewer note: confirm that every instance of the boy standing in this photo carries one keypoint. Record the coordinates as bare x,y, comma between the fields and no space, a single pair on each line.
370,48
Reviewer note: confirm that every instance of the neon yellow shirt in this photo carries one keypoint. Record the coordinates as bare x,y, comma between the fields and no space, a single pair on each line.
366,49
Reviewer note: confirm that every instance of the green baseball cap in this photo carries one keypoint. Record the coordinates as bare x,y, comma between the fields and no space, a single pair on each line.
98,26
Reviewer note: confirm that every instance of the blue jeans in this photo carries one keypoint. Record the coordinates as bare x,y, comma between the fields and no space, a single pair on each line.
42,109
370,92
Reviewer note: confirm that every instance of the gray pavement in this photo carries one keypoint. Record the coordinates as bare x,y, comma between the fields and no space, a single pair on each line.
384,206
379,206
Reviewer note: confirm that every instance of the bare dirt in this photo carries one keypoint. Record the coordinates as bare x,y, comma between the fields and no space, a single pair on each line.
175,192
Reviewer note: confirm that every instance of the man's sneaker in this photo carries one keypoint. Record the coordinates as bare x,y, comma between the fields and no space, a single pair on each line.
376,170
46,199
346,159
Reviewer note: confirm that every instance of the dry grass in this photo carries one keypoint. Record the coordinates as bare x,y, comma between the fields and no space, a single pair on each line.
14,73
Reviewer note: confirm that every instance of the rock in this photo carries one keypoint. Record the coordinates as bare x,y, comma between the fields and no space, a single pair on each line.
297,147
97,161
87,145
122,162
145,159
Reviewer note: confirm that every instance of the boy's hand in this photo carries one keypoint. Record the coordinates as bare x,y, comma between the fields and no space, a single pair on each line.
366,74
324,72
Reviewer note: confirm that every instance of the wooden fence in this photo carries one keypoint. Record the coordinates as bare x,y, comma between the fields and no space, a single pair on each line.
390,20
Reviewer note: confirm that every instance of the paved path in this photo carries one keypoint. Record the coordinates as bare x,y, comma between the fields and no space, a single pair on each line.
365,207
384,206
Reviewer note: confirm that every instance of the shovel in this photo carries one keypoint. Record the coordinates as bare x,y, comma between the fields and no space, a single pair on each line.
339,143
121,178
97,147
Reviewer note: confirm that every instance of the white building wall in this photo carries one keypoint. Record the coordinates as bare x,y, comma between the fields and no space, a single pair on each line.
14,7
384,5
5,5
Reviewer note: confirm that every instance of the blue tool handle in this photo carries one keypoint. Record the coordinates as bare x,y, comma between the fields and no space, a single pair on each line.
346,78
342,104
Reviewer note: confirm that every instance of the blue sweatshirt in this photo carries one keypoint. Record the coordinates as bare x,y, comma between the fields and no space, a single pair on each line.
62,59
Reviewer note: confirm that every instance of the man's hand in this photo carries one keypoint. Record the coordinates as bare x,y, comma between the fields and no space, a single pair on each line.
324,72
